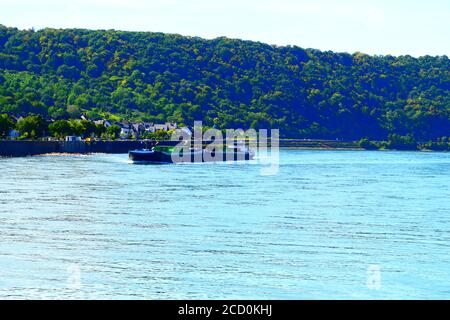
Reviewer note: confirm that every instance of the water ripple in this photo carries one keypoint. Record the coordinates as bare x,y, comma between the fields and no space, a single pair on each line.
97,227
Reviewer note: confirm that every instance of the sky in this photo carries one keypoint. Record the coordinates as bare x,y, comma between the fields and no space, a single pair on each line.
396,27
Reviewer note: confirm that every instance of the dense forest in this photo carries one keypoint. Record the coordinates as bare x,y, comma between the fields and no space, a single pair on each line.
306,93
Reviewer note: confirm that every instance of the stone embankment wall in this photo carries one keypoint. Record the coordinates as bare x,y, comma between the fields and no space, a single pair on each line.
30,148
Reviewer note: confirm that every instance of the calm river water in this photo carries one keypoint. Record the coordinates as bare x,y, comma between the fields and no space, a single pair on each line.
329,224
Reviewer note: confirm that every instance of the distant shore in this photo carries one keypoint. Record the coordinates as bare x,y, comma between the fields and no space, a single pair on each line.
17,148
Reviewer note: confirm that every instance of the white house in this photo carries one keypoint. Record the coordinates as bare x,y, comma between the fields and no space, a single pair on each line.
148,126
138,129
105,123
126,132
73,138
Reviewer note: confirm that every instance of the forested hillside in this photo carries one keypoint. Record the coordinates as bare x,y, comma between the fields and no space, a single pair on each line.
224,82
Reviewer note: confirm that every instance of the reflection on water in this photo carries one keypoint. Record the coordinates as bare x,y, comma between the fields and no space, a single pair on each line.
326,226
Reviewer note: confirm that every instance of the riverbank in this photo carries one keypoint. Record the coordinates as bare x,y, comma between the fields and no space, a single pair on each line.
30,148
14,148
319,144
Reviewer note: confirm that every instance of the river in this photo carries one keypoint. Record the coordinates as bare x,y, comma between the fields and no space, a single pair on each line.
327,225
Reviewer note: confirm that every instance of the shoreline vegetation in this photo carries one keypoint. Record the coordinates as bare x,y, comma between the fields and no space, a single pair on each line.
61,74
21,148
79,150
36,128
406,143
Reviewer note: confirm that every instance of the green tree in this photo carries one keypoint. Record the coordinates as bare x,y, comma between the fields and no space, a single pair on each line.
402,142
73,111
77,127
60,128
31,127
161,135
225,83
57,113
89,128
365,143
6,124
100,129
113,132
